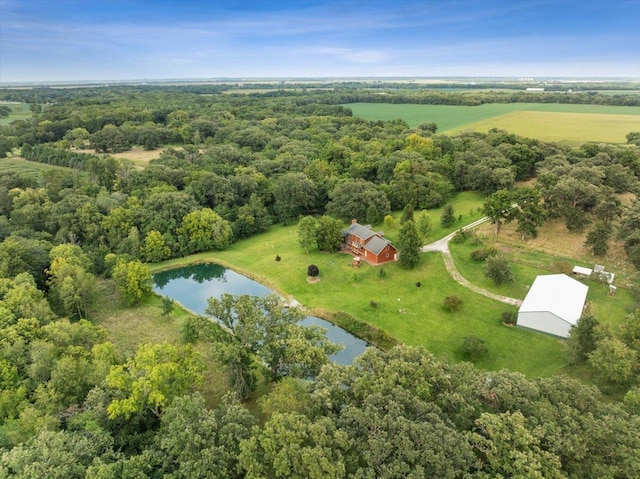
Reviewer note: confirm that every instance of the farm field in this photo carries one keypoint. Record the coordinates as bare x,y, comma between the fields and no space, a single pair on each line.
561,127
21,111
21,166
588,122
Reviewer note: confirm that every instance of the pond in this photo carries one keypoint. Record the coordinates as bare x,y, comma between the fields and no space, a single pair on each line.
192,285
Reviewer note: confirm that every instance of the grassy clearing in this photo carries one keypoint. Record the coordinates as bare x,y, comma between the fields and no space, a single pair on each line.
528,262
451,119
411,314
129,327
555,243
21,166
20,111
574,128
467,209
139,156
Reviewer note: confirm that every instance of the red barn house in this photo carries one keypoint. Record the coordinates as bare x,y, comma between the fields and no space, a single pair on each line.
369,245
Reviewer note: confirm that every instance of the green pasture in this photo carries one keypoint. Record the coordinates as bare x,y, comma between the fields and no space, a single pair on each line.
588,122
21,111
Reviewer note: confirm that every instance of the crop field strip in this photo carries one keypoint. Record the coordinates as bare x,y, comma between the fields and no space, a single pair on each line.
31,168
544,121
561,127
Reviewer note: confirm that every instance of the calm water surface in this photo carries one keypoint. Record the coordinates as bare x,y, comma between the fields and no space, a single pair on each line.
192,285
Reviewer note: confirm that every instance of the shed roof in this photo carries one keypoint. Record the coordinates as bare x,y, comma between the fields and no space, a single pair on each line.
582,270
558,294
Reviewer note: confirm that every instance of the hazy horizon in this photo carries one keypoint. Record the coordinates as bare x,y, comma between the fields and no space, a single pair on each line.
112,41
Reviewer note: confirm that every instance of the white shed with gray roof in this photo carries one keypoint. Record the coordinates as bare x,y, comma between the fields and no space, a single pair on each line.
553,305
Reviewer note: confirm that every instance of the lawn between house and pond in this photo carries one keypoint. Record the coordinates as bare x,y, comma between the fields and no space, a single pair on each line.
392,302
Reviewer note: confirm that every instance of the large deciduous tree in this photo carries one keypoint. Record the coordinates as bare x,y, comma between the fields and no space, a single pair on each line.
133,280
329,234
614,361
202,230
308,233
293,194
352,198
150,380
629,232
262,328
598,238
196,441
72,286
528,211
498,207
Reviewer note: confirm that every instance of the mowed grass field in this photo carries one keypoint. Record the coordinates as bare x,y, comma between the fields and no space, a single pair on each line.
412,314
548,122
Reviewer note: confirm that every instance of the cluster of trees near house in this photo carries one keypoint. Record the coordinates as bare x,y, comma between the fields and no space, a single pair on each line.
72,406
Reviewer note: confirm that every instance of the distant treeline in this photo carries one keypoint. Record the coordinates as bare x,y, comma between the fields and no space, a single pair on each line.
349,92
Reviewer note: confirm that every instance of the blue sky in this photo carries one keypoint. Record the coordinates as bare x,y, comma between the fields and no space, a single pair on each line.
75,40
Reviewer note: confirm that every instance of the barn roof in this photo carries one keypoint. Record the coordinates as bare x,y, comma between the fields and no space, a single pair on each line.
558,294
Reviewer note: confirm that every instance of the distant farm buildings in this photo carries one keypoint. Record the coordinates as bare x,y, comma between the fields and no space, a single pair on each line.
553,304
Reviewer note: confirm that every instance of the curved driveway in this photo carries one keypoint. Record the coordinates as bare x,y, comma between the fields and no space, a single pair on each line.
442,245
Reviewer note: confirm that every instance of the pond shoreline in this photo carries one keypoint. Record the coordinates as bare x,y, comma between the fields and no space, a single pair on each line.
360,329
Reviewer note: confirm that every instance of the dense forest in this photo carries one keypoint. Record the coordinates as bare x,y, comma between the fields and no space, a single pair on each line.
73,405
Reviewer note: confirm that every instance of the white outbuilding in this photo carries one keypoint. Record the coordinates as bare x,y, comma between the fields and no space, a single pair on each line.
553,304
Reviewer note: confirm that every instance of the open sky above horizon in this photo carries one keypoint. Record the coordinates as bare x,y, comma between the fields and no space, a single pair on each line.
83,40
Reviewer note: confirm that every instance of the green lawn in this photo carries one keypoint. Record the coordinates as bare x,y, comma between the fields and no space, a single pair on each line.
467,209
585,120
413,315
526,265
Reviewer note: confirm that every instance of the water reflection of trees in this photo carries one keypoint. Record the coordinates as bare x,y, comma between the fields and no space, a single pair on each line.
197,272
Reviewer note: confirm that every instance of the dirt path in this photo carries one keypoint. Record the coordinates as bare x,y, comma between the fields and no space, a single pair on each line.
442,246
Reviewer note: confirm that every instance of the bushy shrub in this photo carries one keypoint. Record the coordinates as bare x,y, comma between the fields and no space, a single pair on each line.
461,236
312,270
167,305
561,267
473,348
190,330
498,270
452,303
481,254
509,317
